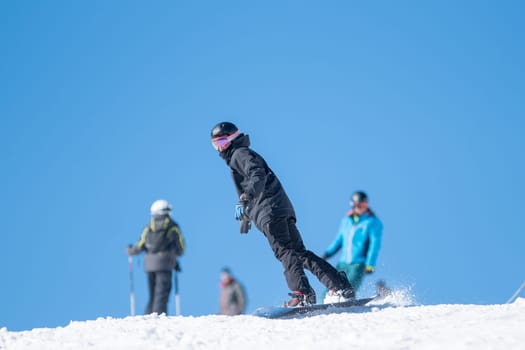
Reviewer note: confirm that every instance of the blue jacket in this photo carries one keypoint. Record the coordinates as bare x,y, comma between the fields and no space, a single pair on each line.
360,239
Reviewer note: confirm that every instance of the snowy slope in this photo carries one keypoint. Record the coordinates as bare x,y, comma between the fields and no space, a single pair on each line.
382,327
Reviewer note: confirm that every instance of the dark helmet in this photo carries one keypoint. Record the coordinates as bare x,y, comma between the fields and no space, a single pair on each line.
358,197
223,129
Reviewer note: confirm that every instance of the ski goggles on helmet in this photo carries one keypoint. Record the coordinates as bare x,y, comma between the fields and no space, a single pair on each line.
358,198
220,143
360,205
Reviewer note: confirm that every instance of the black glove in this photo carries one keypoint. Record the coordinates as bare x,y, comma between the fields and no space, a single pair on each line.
177,266
246,225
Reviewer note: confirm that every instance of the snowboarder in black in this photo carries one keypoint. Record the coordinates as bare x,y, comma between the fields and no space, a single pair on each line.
263,201
163,243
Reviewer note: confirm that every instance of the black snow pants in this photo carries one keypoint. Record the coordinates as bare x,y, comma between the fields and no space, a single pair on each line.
289,249
159,283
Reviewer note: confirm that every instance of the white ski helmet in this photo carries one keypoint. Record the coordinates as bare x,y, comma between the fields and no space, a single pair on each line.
160,207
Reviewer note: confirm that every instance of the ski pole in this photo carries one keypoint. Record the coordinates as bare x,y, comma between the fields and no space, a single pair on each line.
131,288
177,296
515,295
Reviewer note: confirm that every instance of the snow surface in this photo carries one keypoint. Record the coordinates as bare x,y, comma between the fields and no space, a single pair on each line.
382,326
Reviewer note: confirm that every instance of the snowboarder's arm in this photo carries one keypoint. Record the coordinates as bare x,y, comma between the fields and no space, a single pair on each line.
375,235
253,169
337,243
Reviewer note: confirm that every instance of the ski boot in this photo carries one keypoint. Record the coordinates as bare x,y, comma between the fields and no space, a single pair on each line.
300,299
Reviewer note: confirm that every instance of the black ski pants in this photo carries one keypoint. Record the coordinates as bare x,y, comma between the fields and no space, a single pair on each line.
159,283
289,249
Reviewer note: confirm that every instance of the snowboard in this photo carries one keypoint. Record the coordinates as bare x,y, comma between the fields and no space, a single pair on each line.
285,312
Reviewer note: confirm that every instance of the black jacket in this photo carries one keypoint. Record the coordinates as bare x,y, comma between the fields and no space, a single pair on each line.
163,242
251,175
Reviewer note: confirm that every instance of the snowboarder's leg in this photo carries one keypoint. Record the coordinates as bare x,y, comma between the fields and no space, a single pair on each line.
319,267
162,292
355,274
284,248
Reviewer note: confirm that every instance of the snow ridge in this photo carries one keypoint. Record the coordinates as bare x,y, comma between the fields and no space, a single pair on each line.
384,326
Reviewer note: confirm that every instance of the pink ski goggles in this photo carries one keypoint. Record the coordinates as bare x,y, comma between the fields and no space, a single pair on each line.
220,143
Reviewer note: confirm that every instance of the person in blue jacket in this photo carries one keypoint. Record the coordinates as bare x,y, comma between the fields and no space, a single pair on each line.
359,238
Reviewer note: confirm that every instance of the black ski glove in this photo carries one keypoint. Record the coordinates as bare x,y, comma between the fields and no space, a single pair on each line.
240,213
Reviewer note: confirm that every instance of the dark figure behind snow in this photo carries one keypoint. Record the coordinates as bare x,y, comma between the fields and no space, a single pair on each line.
233,296
163,243
263,201
382,290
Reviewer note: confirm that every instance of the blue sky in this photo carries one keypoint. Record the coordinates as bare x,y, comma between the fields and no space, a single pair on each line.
107,106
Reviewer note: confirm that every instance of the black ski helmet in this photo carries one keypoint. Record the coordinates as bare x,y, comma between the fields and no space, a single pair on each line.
223,129
358,197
